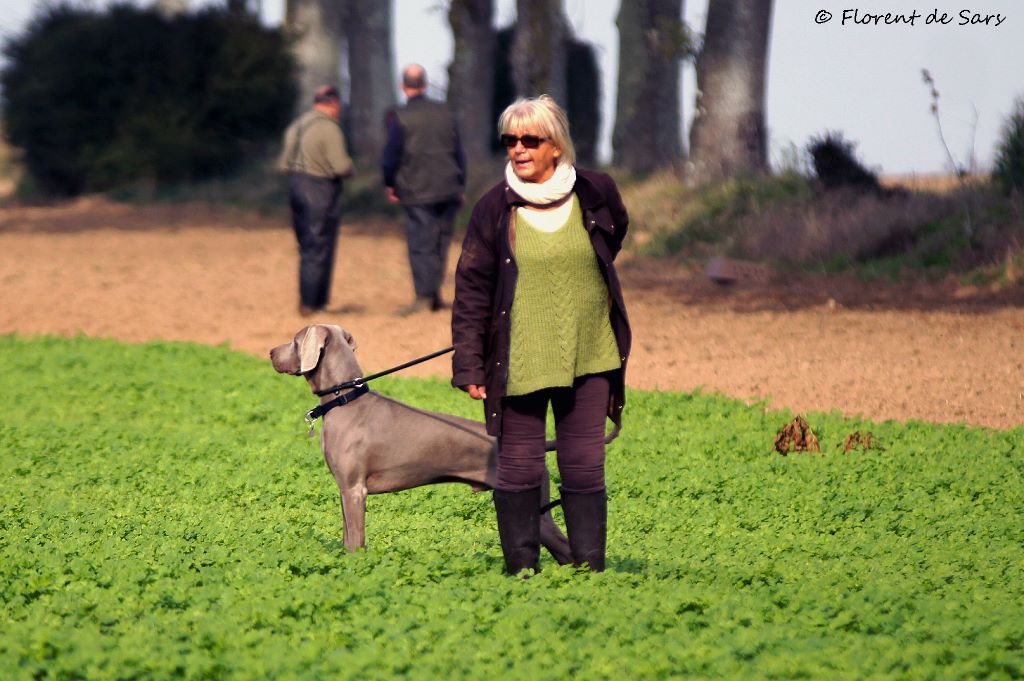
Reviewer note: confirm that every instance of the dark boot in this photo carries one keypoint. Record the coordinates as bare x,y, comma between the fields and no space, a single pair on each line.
586,523
519,528
438,303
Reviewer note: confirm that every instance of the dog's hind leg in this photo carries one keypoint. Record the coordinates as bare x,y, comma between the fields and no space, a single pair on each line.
554,541
353,511
551,537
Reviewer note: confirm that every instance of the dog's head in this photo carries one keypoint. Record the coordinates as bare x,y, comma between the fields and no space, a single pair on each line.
323,353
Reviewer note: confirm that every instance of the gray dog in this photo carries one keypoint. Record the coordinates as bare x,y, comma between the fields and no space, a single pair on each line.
374,444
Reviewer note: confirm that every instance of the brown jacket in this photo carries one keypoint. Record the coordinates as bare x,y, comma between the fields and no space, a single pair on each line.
485,283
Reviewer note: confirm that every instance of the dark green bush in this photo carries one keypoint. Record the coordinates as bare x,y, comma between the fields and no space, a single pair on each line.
100,99
836,164
1009,161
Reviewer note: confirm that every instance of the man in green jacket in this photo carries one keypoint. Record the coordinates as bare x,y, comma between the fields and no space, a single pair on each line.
315,159
425,170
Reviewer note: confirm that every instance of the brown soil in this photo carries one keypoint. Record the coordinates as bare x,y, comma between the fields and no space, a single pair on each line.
936,352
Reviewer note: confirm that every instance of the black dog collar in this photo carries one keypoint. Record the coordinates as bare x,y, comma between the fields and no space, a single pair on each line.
340,401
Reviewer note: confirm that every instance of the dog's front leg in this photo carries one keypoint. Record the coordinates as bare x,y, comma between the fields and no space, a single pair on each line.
353,513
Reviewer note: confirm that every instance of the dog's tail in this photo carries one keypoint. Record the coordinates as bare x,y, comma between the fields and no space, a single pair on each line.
552,445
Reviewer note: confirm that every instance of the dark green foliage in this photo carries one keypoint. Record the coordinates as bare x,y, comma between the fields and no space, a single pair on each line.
1009,162
165,516
836,164
101,99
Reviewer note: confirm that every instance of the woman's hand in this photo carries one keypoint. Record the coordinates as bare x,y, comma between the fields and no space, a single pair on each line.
477,392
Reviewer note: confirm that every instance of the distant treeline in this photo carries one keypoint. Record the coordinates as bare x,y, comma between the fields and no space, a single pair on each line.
95,99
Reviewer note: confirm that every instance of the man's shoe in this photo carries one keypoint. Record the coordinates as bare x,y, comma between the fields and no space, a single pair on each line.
437,304
306,310
418,305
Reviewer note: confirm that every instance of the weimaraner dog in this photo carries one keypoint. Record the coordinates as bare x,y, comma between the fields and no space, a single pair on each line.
374,444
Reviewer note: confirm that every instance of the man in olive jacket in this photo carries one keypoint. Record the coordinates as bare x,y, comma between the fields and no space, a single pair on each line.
315,159
424,169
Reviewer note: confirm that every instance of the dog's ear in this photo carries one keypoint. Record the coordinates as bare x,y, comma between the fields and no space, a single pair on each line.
311,347
349,339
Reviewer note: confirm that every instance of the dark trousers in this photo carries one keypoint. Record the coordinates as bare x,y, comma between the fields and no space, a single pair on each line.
316,214
428,231
580,413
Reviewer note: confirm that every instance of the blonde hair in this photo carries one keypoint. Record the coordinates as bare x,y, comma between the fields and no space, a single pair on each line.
543,116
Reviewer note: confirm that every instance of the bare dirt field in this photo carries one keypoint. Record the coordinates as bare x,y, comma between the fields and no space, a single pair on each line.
937,352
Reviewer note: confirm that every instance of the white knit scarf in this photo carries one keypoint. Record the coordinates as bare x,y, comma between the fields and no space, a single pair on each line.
551,190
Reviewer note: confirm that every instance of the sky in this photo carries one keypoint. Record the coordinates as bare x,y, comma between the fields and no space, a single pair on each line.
849,74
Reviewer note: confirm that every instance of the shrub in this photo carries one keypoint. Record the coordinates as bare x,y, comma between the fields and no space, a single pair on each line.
836,164
1009,162
96,100
669,218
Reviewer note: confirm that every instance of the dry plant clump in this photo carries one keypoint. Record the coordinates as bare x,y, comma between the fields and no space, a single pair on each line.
796,436
864,441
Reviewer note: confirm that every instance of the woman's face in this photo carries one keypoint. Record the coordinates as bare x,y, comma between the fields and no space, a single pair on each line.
533,165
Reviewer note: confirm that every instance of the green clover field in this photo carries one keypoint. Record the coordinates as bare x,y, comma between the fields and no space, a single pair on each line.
165,516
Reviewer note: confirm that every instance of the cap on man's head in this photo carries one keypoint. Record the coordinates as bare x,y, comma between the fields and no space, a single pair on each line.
325,94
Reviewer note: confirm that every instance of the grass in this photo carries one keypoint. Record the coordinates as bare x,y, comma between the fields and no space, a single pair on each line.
165,516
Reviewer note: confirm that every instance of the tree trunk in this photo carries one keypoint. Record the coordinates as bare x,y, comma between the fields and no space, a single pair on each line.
648,125
729,137
315,26
583,102
540,49
372,78
471,73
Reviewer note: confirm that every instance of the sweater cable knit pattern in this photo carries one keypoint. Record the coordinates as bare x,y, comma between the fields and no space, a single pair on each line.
560,315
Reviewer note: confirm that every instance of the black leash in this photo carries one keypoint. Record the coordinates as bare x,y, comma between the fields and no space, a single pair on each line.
550,505
360,389
356,382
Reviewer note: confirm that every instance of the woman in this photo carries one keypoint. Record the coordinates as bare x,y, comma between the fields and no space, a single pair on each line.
538,318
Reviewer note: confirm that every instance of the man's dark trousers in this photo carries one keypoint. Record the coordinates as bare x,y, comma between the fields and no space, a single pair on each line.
316,214
429,233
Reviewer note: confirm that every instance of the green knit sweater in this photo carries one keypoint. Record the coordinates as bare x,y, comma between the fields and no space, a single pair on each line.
561,327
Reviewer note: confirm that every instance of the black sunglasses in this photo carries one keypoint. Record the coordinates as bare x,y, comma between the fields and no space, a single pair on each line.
529,141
